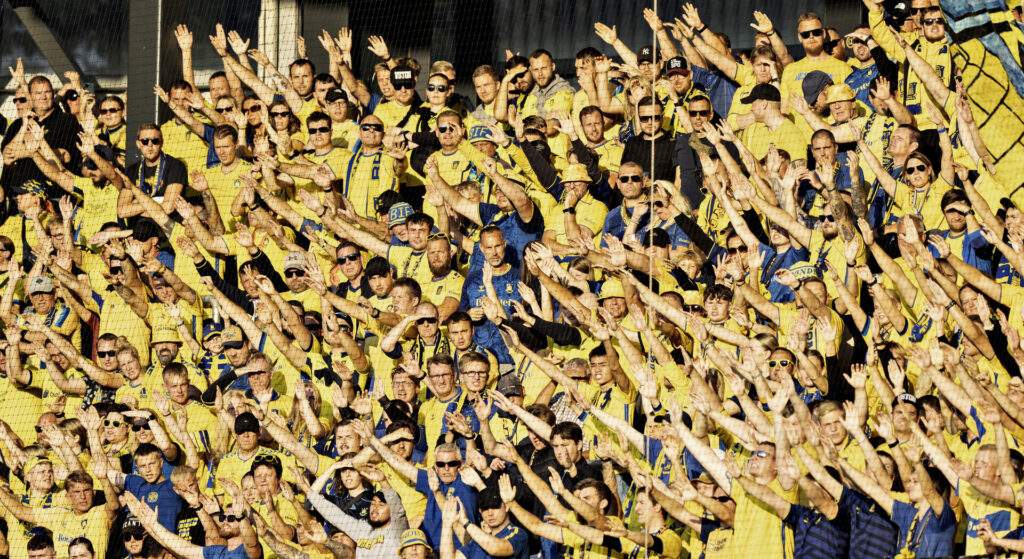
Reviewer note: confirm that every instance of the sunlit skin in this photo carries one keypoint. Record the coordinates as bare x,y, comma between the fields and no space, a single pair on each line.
115,428
933,27
41,95
762,467
371,139
320,90
843,111
384,83
224,147
495,518
449,133
567,451
150,467
700,113
492,245
616,306
381,285
237,356
904,414
404,93
446,474
600,371
129,365
404,445
418,233
762,67
403,300
443,379
814,45
461,334
111,114
832,426
592,497
353,269
486,88
437,92
177,389
900,145
42,303
920,180
301,76
524,84
45,553
79,551
780,372
415,551
542,69
593,128
650,120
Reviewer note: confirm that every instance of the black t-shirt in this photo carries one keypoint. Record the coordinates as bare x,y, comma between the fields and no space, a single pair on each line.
61,132
171,171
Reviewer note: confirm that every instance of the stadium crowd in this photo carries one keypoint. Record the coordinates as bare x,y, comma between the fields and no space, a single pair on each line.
694,303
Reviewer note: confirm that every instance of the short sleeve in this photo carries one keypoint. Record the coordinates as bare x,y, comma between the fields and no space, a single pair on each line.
487,212
422,483
133,484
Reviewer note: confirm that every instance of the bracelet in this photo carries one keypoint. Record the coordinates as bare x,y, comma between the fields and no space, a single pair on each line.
323,213
702,29
770,34
873,283
949,305
375,313
941,130
570,211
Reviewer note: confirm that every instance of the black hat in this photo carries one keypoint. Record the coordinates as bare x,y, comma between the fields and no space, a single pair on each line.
765,91
676,65
403,75
488,499
334,94
105,152
246,423
646,54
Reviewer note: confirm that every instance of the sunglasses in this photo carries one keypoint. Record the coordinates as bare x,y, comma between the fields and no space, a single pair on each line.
737,250
932,21
137,428
254,109
71,96
650,118
432,87
433,236
133,536
831,44
106,353
916,169
812,33
226,518
427,320
404,86
281,115
779,363
39,429
224,110
373,127
519,76
704,113
827,218
294,273
858,42
631,178
693,308
451,464
350,258
320,130
148,141
659,204
109,111
112,423
444,128
21,99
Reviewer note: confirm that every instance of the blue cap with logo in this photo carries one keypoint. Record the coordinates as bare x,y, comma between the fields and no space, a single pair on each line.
480,134
398,214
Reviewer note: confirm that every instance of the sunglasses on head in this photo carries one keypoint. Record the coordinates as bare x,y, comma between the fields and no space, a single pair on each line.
631,178
109,111
932,21
445,128
320,130
254,109
827,218
112,423
433,87
649,118
106,353
293,273
350,258
284,114
373,127
812,33
779,363
451,464
917,169
705,113
427,320
133,536
737,250
148,141
223,110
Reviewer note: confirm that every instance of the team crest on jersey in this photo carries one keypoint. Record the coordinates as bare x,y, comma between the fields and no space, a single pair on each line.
152,497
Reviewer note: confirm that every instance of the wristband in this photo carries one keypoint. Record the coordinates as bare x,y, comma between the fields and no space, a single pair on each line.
941,130
321,214
569,210
949,305
872,283
702,29
771,33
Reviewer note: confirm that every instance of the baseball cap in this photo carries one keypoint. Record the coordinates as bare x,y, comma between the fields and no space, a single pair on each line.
480,134
232,337
576,172
905,397
294,260
765,91
40,284
334,94
411,537
165,333
510,385
676,65
246,423
813,84
398,213
403,75
612,287
33,462
839,92
645,54
212,329
131,524
103,151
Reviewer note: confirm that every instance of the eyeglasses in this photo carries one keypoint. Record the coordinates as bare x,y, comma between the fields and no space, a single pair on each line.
21,99
481,372
320,130
293,273
452,464
649,118
112,423
373,127
133,536
281,114
737,250
827,218
812,33
780,363
932,21
631,178
109,111
254,109
153,141
693,308
427,320
705,113
137,428
916,169
432,87
226,518
350,258
106,353
444,129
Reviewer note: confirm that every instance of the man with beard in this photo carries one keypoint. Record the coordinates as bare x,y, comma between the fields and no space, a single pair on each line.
690,145
429,340
445,286
486,83
515,87
652,137
633,185
812,38
166,345
499,274
380,534
608,151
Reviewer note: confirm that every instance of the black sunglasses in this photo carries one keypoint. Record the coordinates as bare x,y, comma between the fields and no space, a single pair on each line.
450,464
631,178
649,118
350,258
737,250
133,536
432,87
693,308
280,114
932,21
827,218
812,33
254,109
39,429
109,111
399,86
916,169
445,128
293,273
856,41
519,76
71,96
831,44
148,141
320,130
221,110
106,353
373,127
704,113
779,363
915,11
226,517
21,99
137,428
427,320
659,204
